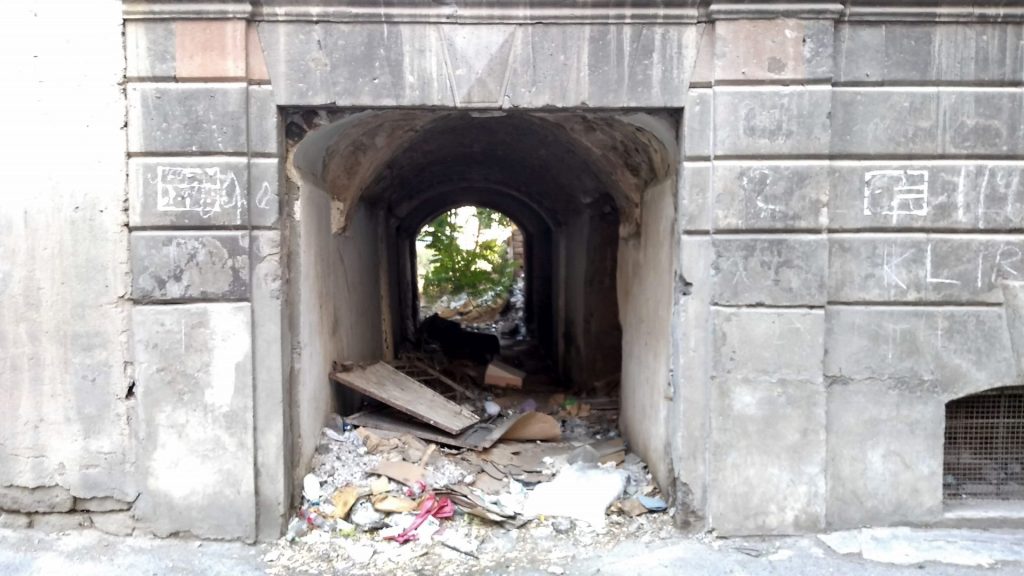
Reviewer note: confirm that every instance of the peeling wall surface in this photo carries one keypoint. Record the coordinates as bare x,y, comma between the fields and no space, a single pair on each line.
65,417
829,249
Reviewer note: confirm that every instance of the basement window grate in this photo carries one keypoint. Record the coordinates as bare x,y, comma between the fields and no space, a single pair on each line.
984,450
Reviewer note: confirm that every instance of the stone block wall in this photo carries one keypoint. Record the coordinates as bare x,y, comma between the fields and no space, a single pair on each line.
204,166
858,188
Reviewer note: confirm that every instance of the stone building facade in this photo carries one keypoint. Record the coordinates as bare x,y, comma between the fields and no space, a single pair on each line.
805,218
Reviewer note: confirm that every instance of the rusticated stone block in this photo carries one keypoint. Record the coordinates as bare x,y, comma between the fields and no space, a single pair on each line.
759,196
772,270
189,192
195,400
897,195
189,265
778,49
944,352
916,268
772,121
187,118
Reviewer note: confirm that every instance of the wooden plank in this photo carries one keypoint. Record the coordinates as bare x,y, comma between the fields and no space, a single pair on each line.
382,382
444,379
478,437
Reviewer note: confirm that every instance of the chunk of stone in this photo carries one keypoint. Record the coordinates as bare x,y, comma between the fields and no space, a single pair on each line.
14,520
116,523
40,499
61,522
101,504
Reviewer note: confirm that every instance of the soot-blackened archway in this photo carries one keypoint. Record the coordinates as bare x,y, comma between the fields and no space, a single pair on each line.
574,182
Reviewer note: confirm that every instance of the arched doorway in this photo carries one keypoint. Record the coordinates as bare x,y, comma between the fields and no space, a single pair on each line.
364,184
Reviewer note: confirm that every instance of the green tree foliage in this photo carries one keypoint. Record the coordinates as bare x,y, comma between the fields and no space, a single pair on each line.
479,271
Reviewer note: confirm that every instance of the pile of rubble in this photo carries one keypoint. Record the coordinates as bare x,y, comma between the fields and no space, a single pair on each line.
543,477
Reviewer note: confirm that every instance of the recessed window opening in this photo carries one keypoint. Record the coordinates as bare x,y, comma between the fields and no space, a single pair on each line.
984,446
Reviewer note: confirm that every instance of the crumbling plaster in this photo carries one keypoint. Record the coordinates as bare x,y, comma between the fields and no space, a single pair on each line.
66,420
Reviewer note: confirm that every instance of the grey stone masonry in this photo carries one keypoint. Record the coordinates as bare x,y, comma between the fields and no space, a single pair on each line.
182,265
755,451
208,118
769,122
367,64
188,193
922,268
770,270
194,389
946,195
264,193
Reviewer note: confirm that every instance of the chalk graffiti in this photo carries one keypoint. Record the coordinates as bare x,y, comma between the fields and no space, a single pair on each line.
265,196
896,193
206,191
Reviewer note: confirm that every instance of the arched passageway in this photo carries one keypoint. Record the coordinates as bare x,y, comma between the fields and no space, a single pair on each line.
367,182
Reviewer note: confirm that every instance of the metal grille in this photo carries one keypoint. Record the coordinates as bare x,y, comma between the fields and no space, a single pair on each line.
984,452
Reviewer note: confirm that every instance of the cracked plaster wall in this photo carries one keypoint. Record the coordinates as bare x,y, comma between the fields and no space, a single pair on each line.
65,420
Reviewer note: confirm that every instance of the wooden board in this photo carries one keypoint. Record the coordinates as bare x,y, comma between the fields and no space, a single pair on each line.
382,382
477,437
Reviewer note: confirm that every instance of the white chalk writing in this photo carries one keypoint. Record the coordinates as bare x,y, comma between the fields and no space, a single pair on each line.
265,195
896,193
205,191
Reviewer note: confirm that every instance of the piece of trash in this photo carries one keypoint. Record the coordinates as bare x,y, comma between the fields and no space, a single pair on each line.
578,492
297,528
561,525
583,455
502,375
432,506
382,382
392,504
404,472
529,405
380,485
359,553
492,408
343,499
652,503
534,426
416,489
365,517
632,507
556,570
330,433
311,488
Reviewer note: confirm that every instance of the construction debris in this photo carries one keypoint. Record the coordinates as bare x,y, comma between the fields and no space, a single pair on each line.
386,384
502,375
392,498
436,473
